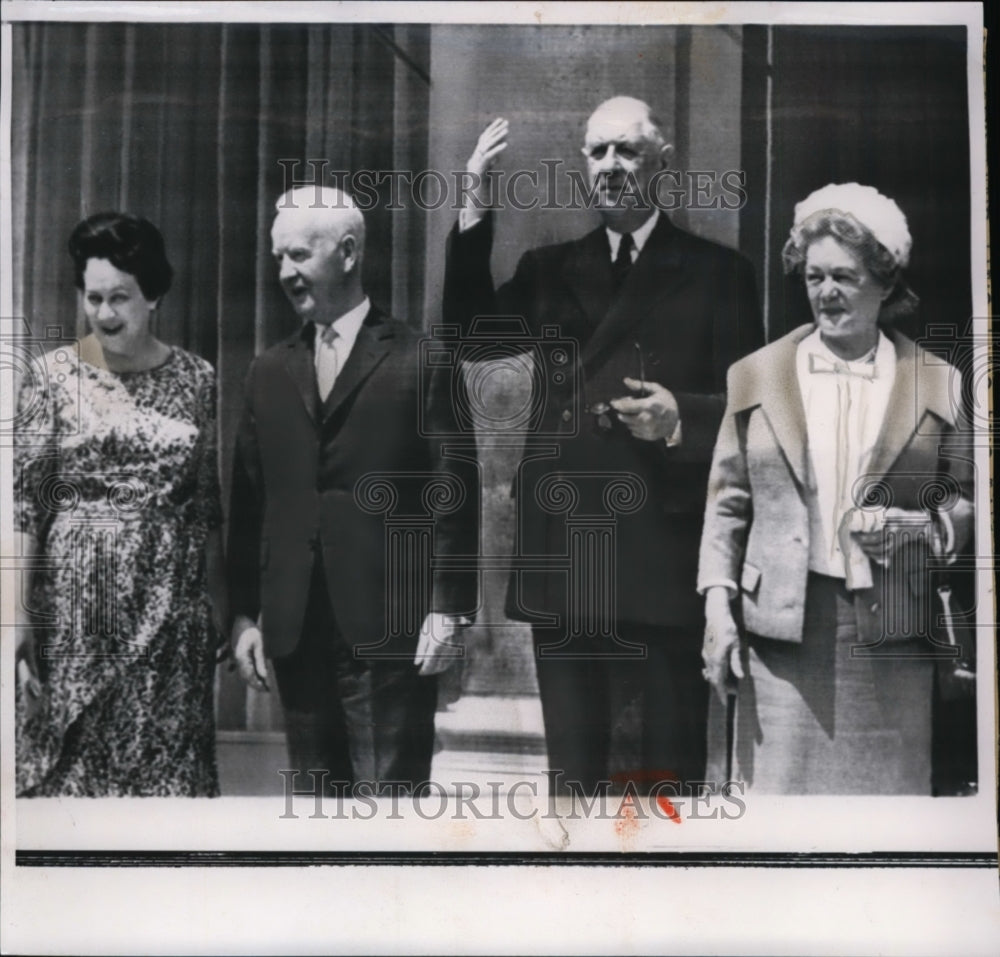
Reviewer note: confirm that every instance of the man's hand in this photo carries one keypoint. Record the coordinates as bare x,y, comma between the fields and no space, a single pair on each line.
492,142
653,417
435,653
248,643
721,648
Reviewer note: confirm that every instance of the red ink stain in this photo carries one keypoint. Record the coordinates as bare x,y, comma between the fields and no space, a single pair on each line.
647,781
627,824
667,808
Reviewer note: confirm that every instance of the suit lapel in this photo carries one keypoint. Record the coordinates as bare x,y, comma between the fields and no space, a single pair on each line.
657,270
371,346
301,369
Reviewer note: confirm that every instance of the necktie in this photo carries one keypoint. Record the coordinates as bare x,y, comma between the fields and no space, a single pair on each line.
623,261
326,359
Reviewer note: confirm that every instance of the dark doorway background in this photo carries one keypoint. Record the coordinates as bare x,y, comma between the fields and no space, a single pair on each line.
884,107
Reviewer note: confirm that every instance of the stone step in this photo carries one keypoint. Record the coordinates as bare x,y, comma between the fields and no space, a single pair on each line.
480,738
494,724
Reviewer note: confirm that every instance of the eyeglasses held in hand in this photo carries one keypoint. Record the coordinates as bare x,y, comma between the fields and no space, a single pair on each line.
604,411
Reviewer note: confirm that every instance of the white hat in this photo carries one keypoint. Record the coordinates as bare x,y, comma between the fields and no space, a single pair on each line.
869,207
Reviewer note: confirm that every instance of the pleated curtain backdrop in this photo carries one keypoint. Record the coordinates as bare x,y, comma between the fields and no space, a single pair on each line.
196,126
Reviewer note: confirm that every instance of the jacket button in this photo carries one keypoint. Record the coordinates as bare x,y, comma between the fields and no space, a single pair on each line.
567,414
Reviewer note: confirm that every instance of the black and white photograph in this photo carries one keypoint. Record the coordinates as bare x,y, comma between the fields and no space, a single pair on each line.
498,476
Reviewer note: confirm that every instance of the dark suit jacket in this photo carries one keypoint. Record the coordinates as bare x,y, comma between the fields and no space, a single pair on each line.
330,480
691,306
757,521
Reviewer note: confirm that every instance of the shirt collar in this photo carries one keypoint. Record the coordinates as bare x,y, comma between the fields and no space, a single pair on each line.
349,324
639,237
885,353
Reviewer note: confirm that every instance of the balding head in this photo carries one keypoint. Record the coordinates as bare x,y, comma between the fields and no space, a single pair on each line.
322,208
629,113
625,151
318,240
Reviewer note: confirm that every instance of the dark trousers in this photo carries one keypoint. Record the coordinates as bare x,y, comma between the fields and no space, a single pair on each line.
623,720
359,719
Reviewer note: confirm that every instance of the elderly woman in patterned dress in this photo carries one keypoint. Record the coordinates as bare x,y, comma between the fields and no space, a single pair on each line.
117,508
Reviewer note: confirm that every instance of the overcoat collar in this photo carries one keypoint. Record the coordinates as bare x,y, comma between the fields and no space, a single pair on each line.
922,384
655,273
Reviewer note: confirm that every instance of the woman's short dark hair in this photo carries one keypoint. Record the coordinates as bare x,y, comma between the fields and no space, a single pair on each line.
130,243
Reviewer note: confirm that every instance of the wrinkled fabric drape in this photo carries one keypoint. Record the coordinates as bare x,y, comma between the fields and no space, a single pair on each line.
198,127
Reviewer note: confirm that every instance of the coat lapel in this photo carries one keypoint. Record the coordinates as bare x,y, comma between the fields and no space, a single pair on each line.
912,396
781,400
657,270
587,273
775,388
371,346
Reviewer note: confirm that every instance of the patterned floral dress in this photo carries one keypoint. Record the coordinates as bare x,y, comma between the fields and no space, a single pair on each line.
115,478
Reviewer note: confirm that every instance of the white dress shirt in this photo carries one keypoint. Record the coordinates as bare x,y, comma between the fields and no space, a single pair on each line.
639,237
331,353
845,405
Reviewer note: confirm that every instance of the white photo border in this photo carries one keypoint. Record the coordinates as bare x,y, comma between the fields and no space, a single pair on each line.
241,875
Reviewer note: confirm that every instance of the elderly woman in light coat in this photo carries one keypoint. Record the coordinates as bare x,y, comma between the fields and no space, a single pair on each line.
840,475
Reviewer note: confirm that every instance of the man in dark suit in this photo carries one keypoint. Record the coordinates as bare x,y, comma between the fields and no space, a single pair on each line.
611,490
341,501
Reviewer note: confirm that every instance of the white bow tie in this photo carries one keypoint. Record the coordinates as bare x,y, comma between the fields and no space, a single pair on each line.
862,368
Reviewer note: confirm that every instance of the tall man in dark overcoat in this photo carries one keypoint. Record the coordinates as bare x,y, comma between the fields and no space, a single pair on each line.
611,491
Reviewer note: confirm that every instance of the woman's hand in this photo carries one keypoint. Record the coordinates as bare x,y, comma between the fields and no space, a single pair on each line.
881,539
25,646
721,649
26,664
218,593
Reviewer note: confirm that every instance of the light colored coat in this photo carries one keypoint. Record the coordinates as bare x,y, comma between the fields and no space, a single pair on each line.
756,531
